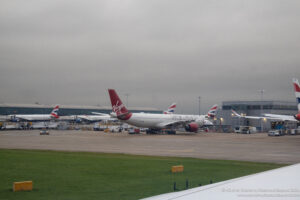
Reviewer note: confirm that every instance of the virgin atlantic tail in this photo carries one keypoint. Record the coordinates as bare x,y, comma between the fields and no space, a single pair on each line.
117,106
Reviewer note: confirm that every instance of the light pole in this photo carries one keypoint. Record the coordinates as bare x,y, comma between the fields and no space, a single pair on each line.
261,108
199,98
127,99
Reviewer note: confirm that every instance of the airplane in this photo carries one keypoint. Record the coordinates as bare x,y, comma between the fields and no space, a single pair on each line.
295,118
207,122
36,117
210,114
154,122
106,117
98,116
171,109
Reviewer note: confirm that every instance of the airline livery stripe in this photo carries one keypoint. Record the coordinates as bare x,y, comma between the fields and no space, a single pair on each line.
54,115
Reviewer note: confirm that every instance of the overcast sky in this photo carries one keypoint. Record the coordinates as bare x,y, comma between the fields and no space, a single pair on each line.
157,51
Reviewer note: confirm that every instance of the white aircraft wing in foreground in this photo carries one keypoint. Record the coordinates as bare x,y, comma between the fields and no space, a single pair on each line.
282,183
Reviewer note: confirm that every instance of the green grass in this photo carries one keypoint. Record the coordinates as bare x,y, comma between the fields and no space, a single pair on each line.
77,175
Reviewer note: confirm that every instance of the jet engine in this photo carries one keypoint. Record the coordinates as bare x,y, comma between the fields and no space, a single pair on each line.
13,118
192,127
78,120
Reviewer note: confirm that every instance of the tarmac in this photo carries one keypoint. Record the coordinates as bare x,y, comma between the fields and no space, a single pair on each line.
258,147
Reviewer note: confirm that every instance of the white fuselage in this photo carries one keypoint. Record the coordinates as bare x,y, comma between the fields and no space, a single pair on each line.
41,117
159,121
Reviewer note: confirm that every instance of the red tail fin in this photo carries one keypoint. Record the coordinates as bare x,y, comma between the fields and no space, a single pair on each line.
117,106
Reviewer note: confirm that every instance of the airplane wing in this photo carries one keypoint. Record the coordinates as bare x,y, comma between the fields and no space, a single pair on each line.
256,117
235,114
92,118
102,114
89,117
253,117
262,117
67,118
281,117
174,123
84,117
281,183
270,117
266,116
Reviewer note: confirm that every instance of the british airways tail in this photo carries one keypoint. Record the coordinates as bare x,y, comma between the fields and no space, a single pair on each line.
117,106
54,112
297,92
171,109
212,111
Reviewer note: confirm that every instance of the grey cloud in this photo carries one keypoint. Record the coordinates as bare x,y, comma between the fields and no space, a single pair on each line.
70,52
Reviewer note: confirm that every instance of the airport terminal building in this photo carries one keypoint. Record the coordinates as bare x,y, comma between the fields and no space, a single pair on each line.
64,110
254,108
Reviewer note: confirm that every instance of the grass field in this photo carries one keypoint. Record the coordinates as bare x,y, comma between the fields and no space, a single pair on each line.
77,175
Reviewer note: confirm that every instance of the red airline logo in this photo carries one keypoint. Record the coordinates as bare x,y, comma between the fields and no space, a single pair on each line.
118,108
